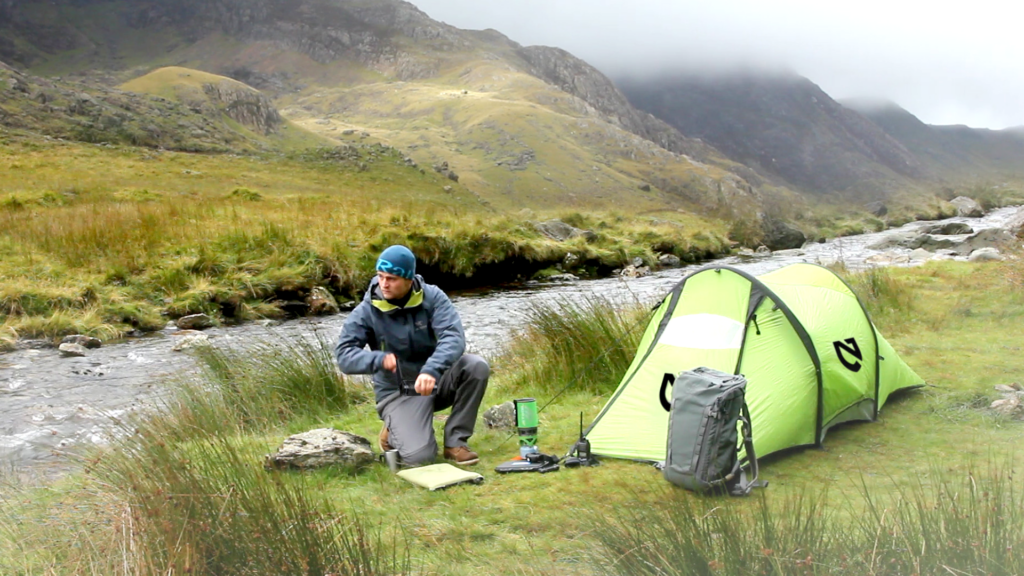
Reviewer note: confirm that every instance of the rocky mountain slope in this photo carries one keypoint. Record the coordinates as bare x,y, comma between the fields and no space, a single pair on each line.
951,151
783,126
514,124
162,118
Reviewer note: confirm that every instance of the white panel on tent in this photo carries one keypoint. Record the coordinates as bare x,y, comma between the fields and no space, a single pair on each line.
703,332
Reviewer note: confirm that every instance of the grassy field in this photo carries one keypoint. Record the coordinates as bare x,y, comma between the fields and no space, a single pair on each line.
929,488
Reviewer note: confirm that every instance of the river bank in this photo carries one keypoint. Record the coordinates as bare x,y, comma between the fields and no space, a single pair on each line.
53,404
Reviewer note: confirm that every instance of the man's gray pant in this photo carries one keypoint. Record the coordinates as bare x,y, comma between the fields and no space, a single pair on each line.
410,418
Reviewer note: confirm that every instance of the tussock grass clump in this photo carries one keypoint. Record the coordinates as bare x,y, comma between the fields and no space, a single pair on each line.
889,298
255,389
948,524
183,491
208,508
589,344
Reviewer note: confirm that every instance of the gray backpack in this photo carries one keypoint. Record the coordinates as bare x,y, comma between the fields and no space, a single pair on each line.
703,450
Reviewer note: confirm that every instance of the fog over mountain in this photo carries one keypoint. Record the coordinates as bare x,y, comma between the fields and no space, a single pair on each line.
948,63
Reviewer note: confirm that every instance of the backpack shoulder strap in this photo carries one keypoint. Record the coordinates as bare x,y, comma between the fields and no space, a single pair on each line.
743,486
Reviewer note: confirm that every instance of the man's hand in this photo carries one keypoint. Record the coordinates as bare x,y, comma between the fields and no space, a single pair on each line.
390,363
425,384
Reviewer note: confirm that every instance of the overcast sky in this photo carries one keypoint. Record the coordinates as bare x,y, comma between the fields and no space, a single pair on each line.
946,62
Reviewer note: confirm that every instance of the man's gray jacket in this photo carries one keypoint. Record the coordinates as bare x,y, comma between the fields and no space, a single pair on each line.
425,335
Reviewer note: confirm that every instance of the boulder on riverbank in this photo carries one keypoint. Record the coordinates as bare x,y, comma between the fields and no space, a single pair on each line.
321,302
319,448
967,207
780,235
986,255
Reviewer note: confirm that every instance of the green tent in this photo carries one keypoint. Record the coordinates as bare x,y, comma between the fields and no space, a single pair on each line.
802,338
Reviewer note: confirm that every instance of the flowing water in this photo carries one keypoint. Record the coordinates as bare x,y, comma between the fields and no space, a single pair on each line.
50,404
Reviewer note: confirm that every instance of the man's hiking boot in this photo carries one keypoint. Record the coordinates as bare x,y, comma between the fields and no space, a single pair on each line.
462,455
383,439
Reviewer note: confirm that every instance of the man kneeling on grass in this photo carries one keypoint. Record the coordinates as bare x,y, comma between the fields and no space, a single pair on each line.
416,357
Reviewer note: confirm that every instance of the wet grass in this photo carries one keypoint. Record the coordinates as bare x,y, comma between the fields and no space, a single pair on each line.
929,488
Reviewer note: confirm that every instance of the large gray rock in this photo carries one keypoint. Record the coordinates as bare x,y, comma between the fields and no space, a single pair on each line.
319,448
988,238
901,239
950,229
967,207
82,340
72,350
195,322
780,235
921,255
321,303
560,231
501,417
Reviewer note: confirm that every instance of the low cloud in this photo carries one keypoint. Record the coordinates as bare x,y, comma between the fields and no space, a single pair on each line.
946,63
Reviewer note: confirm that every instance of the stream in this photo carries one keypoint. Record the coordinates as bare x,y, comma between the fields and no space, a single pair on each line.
50,405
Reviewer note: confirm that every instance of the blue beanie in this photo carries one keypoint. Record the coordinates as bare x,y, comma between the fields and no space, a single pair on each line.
397,260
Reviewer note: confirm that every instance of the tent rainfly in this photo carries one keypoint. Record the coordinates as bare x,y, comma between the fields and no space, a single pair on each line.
802,338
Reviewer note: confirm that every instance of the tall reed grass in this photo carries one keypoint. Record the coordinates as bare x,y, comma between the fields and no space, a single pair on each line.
945,524
890,299
586,344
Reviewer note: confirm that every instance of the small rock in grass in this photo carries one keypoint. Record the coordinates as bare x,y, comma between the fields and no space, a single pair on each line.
501,416
319,448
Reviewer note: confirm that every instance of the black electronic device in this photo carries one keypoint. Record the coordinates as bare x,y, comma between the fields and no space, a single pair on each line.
580,455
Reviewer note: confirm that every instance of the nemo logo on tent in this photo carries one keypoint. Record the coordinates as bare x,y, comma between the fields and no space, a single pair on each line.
666,381
849,346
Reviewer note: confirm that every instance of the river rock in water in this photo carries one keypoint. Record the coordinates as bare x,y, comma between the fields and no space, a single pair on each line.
319,448
987,238
191,341
72,350
195,322
950,229
82,340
